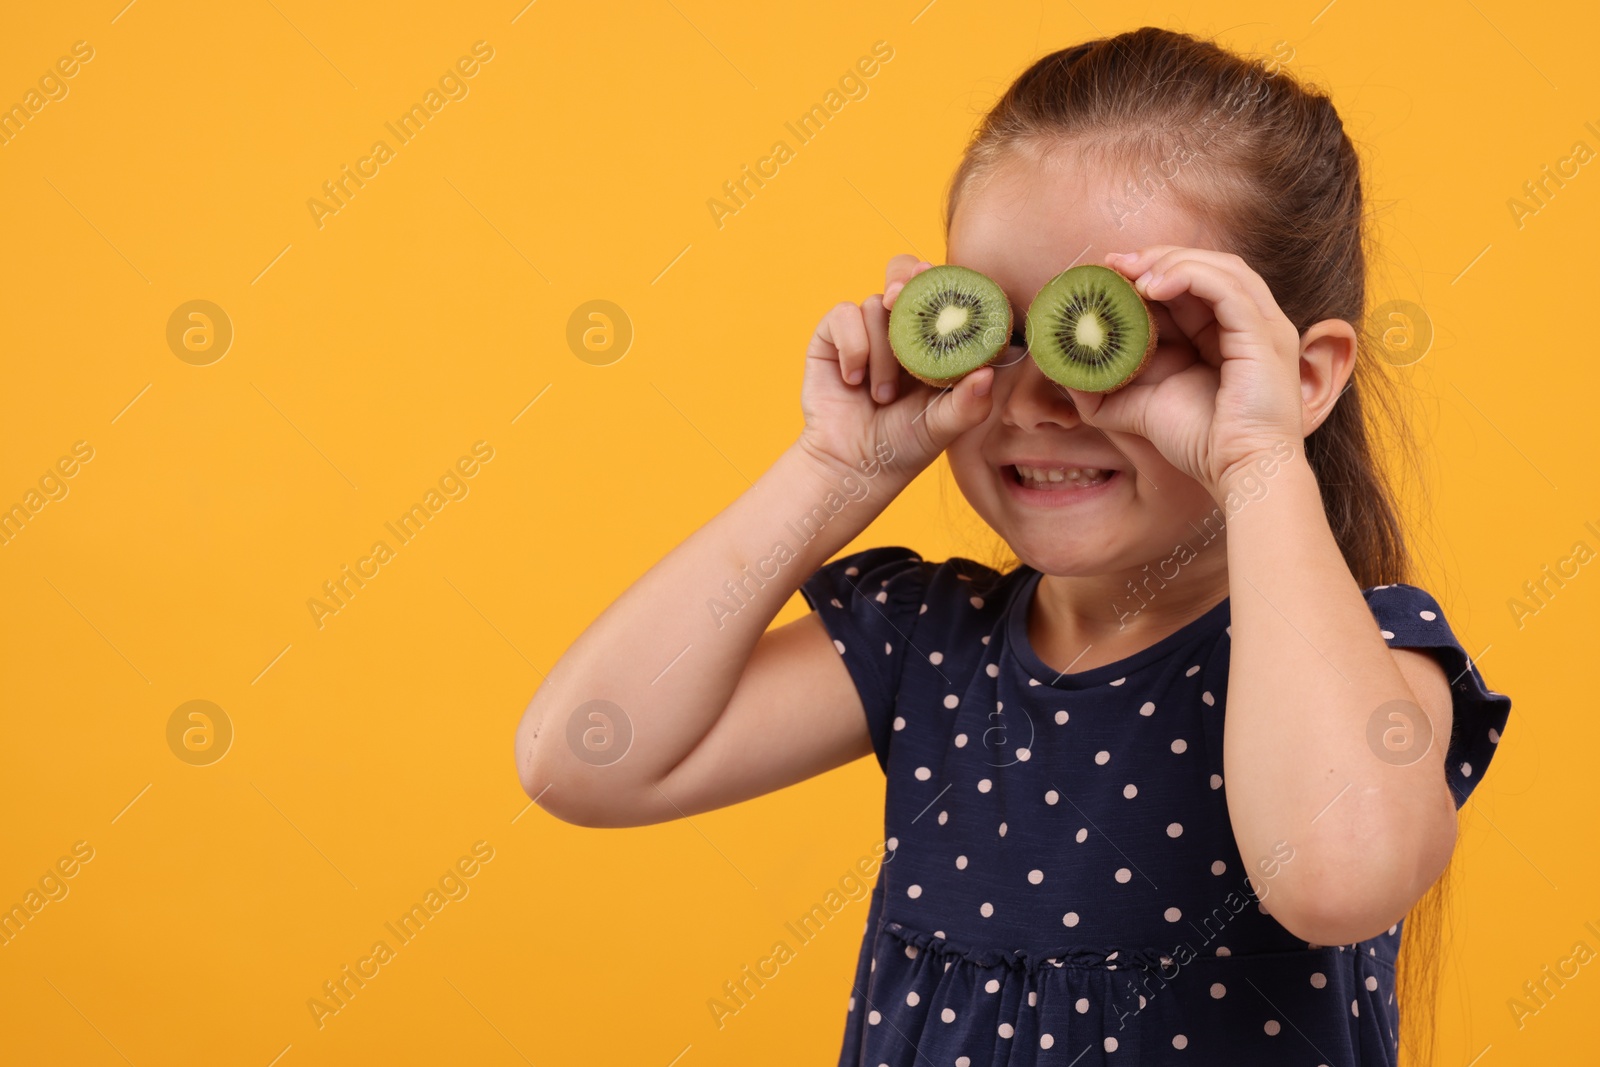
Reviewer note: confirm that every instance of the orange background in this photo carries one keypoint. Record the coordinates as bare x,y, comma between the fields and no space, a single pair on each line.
370,353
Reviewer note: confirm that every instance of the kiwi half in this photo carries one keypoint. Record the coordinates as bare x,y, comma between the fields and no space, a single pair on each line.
1089,329
947,322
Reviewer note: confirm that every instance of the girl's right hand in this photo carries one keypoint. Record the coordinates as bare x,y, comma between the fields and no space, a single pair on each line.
849,362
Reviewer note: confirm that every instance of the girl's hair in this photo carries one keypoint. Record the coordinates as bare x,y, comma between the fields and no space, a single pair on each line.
1239,141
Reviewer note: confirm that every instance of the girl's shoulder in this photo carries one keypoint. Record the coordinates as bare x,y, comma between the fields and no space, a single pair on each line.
885,581
1408,616
887,606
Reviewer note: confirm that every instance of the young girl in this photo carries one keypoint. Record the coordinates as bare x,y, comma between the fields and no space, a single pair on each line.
1163,791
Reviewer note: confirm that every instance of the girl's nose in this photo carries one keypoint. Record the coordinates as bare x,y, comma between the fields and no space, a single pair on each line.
1032,400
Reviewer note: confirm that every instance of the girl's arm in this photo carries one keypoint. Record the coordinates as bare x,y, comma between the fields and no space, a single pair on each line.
1340,841
1309,674
739,712
709,708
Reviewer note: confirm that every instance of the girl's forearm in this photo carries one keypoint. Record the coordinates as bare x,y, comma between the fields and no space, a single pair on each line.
696,615
1308,672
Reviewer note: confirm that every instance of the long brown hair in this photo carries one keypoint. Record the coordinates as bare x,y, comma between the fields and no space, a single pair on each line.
1241,141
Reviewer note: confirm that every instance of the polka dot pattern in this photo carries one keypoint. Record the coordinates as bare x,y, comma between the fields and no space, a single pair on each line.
982,934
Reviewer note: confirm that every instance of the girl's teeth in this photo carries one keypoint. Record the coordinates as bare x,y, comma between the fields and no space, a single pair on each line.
1074,475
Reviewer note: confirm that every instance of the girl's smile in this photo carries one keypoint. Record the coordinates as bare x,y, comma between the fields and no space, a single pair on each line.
1038,483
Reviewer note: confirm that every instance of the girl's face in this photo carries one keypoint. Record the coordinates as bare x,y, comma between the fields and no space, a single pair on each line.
1031,220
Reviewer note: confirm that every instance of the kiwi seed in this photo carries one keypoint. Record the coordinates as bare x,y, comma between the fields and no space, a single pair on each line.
947,322
1089,329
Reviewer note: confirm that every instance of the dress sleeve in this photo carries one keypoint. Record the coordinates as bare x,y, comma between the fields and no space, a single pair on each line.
869,602
1410,618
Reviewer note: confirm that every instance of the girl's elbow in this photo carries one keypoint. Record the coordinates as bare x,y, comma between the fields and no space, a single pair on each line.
573,806
526,750
533,769
1358,898
1336,923
574,799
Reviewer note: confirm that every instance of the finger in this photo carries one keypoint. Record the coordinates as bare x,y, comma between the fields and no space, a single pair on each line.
840,335
892,290
821,345
1157,263
1124,411
1133,262
883,366
1149,411
900,269
1189,313
1195,321
956,409
1230,304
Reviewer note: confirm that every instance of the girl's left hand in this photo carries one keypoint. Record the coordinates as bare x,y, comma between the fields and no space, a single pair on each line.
1217,415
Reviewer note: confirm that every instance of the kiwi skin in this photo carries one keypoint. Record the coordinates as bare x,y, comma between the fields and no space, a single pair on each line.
1115,278
940,383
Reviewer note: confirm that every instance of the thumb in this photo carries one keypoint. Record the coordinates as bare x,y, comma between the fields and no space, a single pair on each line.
1124,410
958,409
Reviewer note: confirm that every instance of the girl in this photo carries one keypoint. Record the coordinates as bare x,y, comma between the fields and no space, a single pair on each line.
1163,790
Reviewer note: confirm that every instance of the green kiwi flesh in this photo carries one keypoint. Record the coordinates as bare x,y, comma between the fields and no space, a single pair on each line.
947,322
1089,329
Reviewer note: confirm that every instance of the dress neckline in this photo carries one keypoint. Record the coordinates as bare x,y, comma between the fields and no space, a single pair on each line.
1215,617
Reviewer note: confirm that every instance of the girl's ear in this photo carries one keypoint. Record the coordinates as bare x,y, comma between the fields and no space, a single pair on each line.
1327,356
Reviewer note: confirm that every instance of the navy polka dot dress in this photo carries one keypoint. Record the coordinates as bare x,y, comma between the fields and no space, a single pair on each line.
1061,884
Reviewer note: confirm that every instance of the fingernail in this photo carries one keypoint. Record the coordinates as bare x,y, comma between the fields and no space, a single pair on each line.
855,376
889,293
884,392
983,385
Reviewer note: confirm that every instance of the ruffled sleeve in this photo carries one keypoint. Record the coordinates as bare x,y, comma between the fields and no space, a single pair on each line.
1410,618
869,603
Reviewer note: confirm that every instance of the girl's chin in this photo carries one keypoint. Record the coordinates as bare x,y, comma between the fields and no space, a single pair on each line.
1081,559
